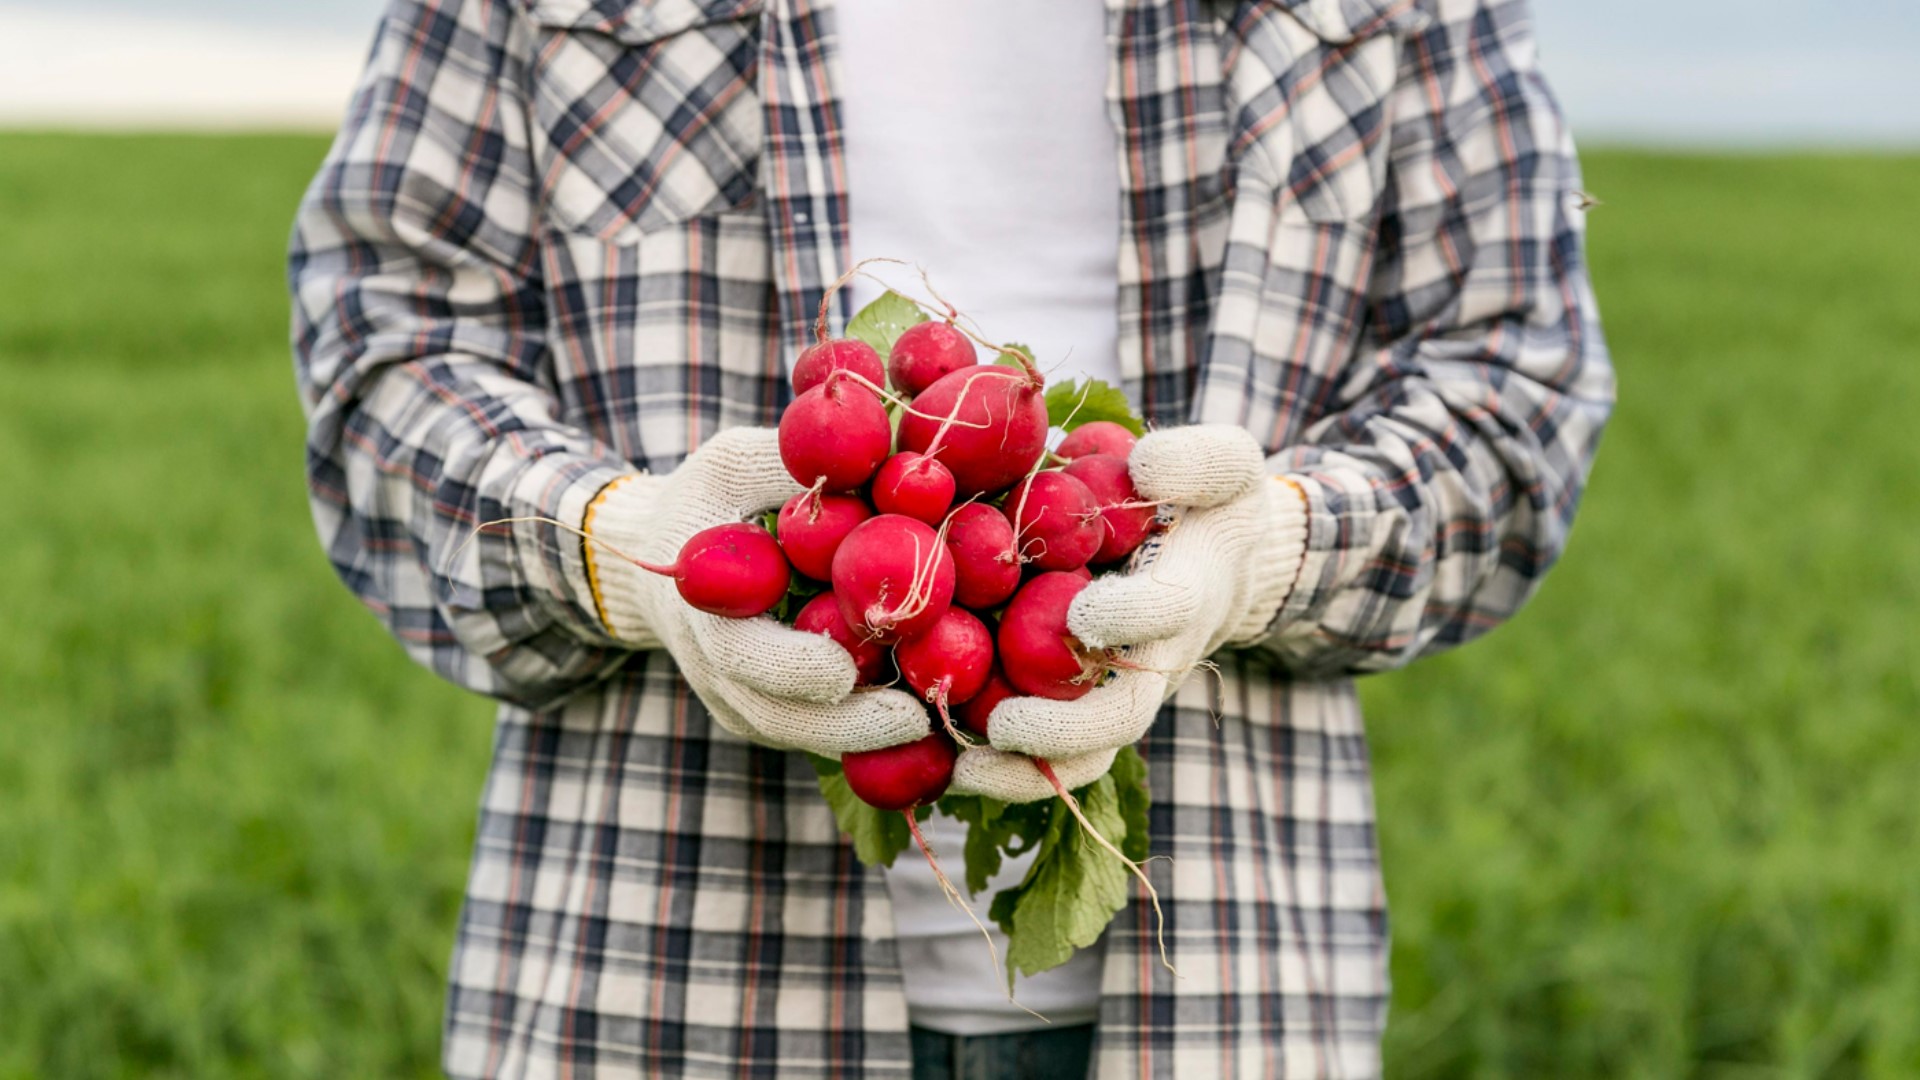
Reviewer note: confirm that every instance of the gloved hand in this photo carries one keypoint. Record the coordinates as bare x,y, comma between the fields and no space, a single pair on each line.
1215,578
763,681
1013,778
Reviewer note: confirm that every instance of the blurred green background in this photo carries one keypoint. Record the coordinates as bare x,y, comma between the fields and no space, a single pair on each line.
1660,825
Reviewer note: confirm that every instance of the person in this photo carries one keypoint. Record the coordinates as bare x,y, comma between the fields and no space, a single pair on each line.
555,268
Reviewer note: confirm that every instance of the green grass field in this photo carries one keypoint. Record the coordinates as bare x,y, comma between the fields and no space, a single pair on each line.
1661,825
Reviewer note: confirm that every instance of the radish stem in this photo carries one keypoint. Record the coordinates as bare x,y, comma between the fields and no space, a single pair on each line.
826,298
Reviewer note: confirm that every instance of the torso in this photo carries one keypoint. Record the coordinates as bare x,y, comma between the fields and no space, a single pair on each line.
979,145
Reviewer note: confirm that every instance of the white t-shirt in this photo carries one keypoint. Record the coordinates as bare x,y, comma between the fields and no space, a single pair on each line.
979,145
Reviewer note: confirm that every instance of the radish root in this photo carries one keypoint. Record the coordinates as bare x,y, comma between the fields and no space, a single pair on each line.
938,696
953,897
880,619
952,418
904,404
447,570
826,298
953,313
811,499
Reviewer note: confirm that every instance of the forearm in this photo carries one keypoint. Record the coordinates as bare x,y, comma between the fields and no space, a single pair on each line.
419,338
1432,518
1442,481
399,481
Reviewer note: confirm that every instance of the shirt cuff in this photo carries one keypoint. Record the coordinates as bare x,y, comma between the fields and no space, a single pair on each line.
1340,517
559,488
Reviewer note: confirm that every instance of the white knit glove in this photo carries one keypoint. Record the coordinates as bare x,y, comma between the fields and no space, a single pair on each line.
1216,577
762,681
1013,778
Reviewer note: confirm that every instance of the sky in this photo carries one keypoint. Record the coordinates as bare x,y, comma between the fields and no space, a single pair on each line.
1686,72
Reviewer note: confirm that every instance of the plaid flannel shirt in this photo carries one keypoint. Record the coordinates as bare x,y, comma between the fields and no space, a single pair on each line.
558,240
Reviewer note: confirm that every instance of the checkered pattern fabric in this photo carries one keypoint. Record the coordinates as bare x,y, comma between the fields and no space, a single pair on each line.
559,240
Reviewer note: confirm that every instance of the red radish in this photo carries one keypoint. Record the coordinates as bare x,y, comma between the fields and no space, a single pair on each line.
735,570
1039,655
919,487
1082,573
836,432
924,352
902,777
1125,519
822,616
976,710
1096,437
998,429
986,568
893,578
1056,519
812,524
949,663
839,354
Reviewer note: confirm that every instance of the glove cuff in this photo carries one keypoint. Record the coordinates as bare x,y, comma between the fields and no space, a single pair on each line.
1280,545
614,588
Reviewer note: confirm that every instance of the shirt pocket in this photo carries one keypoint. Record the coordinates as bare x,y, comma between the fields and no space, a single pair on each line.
1312,119
647,113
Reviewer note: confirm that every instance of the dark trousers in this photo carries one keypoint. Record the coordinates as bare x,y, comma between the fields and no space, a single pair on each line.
1047,1054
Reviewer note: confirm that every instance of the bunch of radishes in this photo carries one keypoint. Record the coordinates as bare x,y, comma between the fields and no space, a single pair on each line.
949,539
940,542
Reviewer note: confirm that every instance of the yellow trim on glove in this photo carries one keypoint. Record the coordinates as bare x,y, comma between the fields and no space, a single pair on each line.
1306,511
586,550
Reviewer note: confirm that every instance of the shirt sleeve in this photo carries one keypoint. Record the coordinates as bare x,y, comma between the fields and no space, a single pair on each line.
1442,485
419,338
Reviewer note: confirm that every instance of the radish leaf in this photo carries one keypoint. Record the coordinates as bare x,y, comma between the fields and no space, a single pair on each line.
881,323
994,830
1129,774
1071,892
1067,410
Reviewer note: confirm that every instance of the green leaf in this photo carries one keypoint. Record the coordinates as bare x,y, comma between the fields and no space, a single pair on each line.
1129,774
800,589
1001,912
994,830
1046,845
1071,404
881,323
983,859
982,850
879,836
1074,887
1073,890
